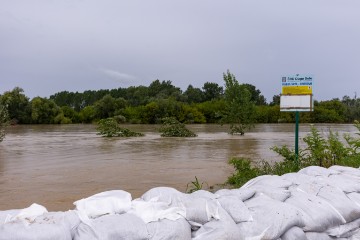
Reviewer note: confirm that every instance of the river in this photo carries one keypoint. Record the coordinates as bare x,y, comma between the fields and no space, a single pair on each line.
55,165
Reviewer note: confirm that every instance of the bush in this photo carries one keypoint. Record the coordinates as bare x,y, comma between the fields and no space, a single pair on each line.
173,128
319,151
110,128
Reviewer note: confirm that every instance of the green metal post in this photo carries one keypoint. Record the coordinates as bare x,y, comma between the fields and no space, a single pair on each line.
297,116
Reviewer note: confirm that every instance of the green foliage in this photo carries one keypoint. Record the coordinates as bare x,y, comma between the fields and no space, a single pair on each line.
194,186
110,128
17,104
239,111
87,114
173,128
243,171
44,111
319,151
4,117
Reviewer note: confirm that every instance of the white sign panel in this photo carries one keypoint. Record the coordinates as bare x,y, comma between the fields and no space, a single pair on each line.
290,103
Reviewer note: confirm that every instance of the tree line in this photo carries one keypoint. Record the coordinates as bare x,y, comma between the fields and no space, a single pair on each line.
149,104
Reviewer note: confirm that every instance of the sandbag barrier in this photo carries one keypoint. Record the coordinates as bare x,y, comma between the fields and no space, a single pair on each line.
313,204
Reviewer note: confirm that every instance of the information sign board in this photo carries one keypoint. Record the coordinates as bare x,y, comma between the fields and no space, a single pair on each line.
297,93
297,85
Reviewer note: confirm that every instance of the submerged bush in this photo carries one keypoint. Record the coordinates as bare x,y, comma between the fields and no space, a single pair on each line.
173,128
110,128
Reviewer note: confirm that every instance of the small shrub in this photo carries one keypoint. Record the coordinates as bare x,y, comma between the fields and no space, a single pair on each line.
110,128
173,128
194,186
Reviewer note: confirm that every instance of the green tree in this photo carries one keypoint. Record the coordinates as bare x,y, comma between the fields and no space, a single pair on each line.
256,95
193,95
212,91
239,111
17,104
3,121
87,114
44,111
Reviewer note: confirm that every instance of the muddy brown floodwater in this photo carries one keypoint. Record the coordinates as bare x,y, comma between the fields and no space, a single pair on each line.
55,165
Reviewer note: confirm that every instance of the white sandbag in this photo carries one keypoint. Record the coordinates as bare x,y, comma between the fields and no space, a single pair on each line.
346,183
273,181
278,194
345,230
155,211
6,215
223,228
203,194
294,233
171,196
49,226
235,208
243,193
200,210
320,236
355,197
318,214
271,218
340,202
113,227
110,202
299,178
27,215
310,188
346,170
318,171
355,236
169,230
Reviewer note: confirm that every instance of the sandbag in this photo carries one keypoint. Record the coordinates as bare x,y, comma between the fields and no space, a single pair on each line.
242,193
346,183
340,202
317,171
112,227
110,202
200,210
5,216
271,218
345,230
278,194
155,211
299,178
320,236
318,215
179,229
355,197
27,215
346,170
235,208
223,228
171,196
49,226
294,233
203,194
268,181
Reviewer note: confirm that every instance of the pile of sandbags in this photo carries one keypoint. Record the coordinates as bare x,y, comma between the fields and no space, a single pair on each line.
312,204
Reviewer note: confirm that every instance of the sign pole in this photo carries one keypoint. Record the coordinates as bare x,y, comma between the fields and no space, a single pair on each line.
297,116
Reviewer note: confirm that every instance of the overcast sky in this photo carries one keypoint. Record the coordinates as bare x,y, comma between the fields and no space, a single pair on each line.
47,46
